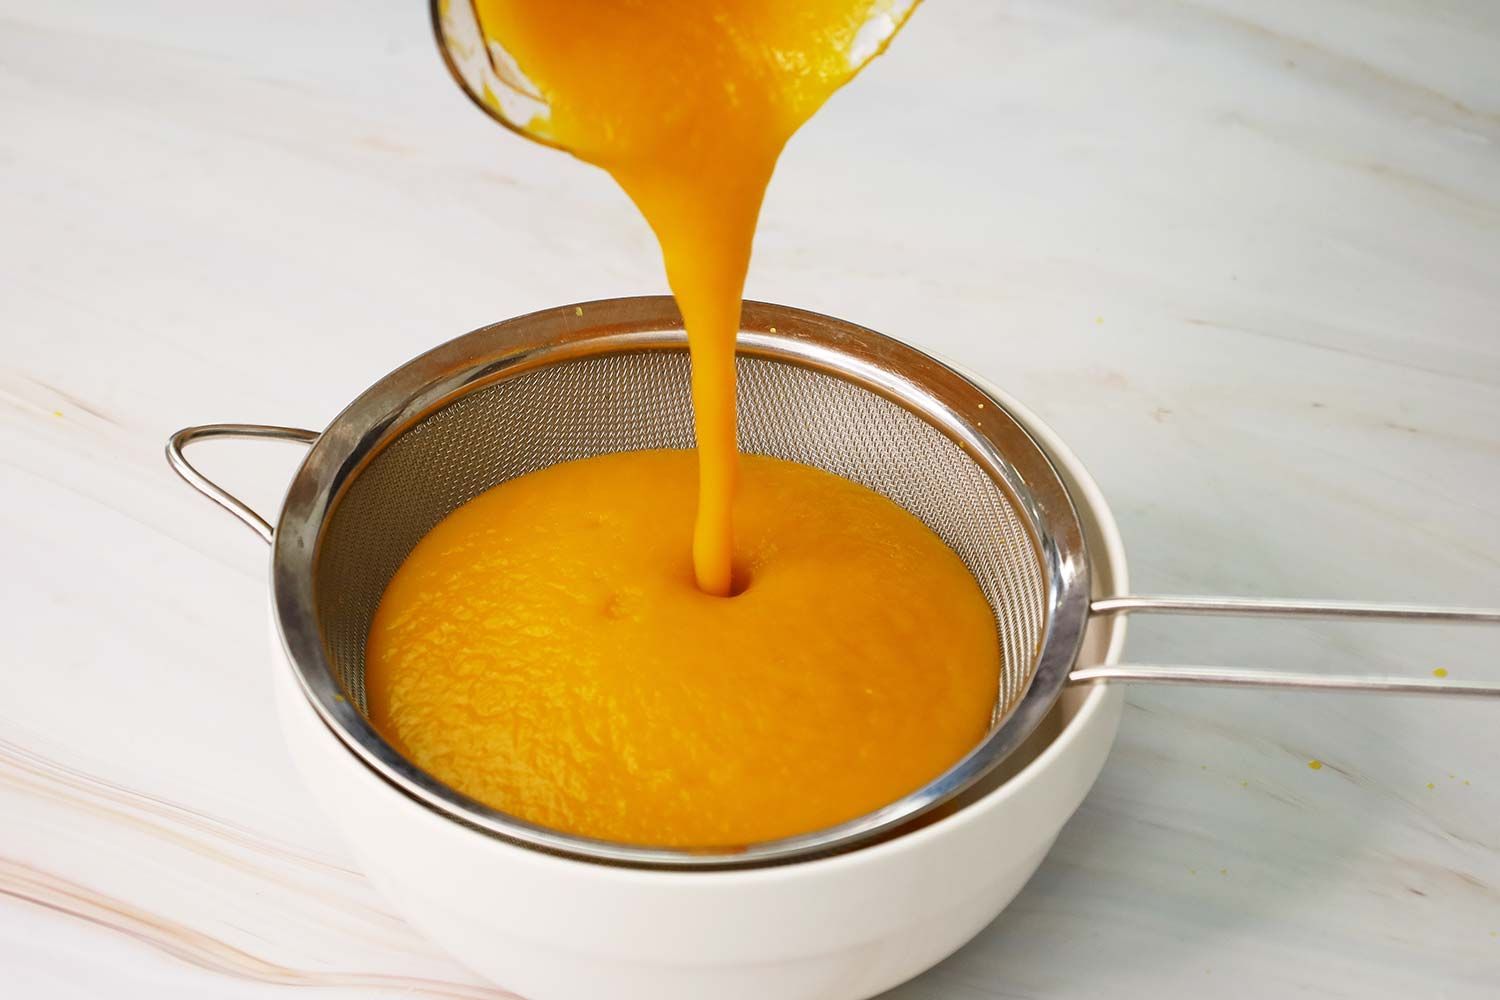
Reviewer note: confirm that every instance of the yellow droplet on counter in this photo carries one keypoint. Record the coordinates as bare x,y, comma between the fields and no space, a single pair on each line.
57,413
1098,319
1439,672
1430,786
1316,765
1224,872
578,310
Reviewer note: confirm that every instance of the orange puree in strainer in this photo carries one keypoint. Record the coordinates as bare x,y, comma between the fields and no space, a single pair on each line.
545,650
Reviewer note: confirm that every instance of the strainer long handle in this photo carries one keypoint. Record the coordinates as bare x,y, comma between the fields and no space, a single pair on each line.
1274,608
218,494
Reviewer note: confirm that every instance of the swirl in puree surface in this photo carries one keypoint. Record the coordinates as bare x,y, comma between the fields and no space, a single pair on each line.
689,649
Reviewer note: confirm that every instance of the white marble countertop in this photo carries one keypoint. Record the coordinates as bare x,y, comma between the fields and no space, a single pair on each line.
1244,256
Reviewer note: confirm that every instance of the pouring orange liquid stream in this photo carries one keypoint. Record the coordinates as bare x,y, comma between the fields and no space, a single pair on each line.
561,647
688,104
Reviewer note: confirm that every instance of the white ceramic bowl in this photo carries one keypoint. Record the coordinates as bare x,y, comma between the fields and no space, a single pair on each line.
837,928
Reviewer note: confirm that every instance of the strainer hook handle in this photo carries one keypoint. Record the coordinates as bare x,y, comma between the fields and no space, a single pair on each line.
177,444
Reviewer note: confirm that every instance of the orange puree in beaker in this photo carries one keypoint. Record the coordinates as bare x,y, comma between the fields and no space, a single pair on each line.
545,650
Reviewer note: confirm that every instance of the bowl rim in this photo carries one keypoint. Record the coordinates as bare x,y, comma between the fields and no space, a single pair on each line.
1100,704
1096,705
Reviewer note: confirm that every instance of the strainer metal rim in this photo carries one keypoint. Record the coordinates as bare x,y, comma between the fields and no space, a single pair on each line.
904,374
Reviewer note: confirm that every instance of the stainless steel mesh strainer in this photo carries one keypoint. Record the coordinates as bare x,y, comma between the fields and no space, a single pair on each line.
613,376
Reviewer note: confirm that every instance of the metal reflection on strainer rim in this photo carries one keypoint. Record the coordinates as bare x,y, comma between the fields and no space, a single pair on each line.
558,385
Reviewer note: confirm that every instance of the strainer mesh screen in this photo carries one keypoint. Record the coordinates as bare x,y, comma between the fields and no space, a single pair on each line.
630,401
